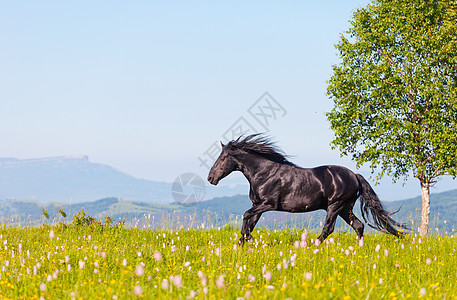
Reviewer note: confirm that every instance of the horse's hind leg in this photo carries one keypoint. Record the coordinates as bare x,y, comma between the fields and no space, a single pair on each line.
329,226
348,216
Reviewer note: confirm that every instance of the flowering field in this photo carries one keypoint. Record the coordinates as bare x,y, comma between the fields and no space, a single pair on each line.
108,262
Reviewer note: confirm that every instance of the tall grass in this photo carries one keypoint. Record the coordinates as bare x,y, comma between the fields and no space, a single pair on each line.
112,262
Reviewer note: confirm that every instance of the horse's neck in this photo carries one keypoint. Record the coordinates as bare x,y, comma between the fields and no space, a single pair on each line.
252,166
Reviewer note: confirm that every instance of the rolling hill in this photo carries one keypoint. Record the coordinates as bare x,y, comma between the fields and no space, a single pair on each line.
443,213
217,212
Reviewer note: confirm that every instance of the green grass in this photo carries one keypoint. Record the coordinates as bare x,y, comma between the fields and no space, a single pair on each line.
342,270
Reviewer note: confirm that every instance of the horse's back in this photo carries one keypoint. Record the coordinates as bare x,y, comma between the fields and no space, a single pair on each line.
332,170
336,180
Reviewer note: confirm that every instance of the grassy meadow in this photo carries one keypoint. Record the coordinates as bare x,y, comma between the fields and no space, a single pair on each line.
113,262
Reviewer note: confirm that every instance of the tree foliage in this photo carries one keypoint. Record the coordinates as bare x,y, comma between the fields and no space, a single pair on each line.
395,89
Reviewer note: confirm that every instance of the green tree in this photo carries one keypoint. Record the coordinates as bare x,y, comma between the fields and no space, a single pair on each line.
395,91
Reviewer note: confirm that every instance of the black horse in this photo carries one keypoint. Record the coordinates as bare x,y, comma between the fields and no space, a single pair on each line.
278,184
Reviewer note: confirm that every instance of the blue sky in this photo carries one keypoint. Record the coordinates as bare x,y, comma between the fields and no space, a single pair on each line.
148,86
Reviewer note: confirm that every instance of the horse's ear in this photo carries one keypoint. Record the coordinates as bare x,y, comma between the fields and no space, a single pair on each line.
230,146
222,145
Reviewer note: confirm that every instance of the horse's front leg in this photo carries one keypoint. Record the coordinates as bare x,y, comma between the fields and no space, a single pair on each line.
250,219
248,227
244,231
253,221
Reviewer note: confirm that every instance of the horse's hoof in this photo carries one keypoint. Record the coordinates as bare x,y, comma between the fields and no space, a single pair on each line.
241,241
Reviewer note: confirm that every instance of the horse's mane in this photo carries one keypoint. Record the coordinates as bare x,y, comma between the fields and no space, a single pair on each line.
262,146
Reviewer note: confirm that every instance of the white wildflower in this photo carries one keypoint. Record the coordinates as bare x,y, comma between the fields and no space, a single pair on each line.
137,290
308,276
220,281
158,256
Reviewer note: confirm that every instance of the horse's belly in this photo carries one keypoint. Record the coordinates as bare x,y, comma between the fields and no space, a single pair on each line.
293,204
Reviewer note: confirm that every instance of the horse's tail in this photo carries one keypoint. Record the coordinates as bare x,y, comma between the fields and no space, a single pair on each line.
370,203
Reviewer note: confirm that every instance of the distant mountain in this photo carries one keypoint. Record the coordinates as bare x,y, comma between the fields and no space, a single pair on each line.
219,211
72,177
76,179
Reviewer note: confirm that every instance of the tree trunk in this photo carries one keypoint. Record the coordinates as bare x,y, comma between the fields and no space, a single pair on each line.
425,214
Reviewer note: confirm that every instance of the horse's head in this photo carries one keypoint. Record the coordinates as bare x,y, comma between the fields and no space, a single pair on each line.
224,165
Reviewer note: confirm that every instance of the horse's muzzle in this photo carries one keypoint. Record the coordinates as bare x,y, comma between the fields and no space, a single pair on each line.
212,180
